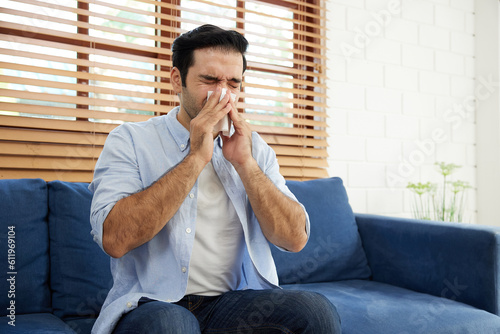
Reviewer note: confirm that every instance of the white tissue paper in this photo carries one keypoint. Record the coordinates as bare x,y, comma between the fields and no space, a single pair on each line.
224,124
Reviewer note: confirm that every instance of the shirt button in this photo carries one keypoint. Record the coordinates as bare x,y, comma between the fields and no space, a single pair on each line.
191,195
184,269
182,145
129,304
188,230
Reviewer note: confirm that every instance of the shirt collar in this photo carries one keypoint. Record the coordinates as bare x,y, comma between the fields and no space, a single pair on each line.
218,141
177,130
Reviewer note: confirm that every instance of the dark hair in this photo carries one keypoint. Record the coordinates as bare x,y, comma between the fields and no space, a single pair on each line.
205,36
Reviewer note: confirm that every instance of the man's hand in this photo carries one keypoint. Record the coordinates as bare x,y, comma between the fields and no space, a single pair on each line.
237,149
201,127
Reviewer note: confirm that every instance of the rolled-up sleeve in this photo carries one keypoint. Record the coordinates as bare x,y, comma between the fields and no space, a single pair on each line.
116,176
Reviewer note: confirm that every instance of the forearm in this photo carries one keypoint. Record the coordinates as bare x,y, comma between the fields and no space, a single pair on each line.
282,220
136,219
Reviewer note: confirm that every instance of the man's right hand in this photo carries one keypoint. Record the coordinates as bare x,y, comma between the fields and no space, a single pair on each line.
201,127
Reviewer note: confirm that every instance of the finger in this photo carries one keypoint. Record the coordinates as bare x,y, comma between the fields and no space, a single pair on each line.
212,107
213,99
209,117
238,120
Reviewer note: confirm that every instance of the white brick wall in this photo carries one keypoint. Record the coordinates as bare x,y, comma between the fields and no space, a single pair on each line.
400,83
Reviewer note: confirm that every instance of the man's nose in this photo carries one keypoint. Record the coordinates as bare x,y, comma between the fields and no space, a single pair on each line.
223,84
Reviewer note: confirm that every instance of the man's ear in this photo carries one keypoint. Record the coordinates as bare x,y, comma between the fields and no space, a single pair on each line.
176,80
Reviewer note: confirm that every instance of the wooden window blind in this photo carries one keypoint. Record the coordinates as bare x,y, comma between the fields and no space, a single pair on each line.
71,71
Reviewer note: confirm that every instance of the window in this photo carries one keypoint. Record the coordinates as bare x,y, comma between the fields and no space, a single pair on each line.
74,70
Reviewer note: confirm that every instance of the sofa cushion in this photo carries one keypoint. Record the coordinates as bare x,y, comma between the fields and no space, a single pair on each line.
453,260
334,251
80,270
372,307
23,220
39,323
81,325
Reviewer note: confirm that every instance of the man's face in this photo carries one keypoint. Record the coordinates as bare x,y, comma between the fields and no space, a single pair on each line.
211,68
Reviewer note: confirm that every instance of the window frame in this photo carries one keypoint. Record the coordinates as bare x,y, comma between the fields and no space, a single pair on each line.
311,60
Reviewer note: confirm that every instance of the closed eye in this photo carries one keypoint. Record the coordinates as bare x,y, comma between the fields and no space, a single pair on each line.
209,79
233,82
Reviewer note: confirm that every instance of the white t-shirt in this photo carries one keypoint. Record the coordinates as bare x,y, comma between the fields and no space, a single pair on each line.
216,260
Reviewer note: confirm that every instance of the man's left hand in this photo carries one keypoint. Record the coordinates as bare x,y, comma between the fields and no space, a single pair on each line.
237,148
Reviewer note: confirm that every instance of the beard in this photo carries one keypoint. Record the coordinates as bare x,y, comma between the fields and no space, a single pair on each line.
190,104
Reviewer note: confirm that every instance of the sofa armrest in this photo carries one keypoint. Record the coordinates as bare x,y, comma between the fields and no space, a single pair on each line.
451,260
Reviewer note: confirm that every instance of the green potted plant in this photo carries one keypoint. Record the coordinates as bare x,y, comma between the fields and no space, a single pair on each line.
445,203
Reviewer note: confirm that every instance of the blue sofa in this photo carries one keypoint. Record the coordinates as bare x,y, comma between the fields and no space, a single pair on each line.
385,275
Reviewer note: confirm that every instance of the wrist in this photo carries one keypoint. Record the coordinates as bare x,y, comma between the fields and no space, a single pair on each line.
248,168
196,162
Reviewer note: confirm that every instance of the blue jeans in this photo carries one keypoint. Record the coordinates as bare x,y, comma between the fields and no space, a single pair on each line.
245,311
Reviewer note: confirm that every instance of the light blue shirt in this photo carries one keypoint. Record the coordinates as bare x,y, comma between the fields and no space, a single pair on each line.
135,155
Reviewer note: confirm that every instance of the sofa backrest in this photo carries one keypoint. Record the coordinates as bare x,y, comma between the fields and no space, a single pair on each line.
80,270
334,251
24,242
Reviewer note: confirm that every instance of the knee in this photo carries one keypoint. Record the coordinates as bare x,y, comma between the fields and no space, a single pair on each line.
318,314
171,319
158,317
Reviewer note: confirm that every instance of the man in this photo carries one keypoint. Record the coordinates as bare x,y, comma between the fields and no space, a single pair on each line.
186,213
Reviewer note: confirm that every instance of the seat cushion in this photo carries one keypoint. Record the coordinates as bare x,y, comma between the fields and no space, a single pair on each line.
80,270
334,251
39,323
372,307
24,231
81,325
